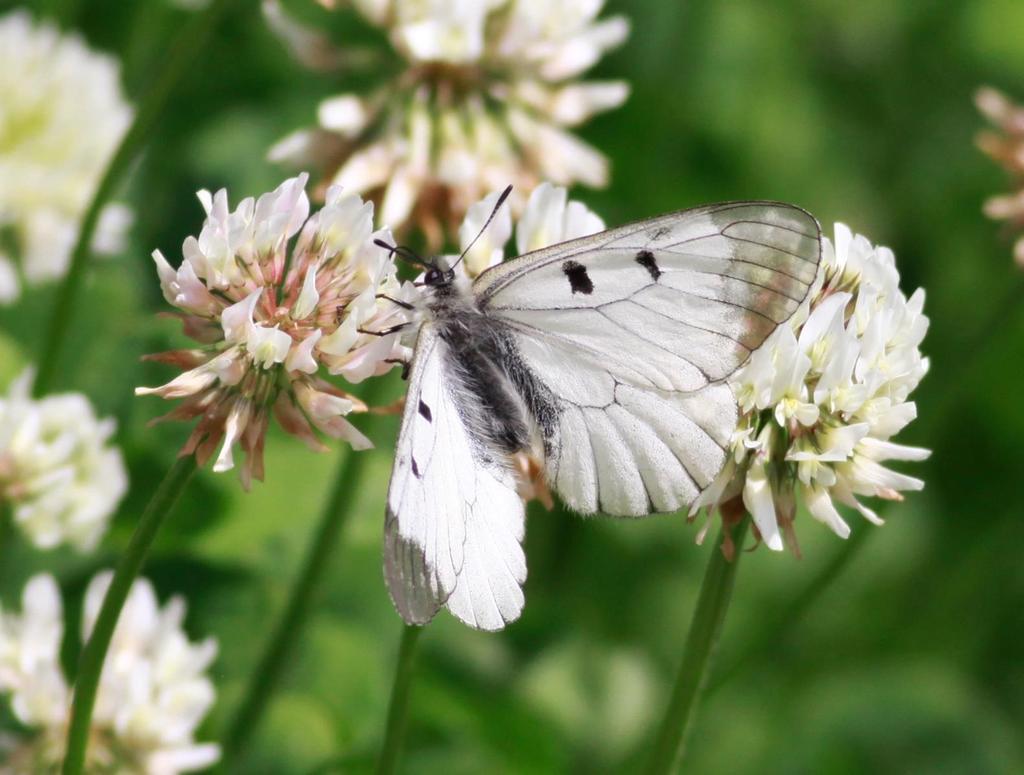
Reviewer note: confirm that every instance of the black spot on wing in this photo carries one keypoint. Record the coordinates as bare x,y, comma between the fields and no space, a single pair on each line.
416,469
646,259
425,412
579,280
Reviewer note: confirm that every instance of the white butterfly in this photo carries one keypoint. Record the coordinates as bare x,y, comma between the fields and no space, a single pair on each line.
607,357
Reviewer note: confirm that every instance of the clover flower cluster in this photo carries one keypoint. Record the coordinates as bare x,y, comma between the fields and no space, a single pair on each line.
59,474
50,158
270,315
153,690
486,99
822,398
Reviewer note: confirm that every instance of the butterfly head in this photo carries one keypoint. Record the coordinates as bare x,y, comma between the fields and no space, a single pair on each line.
438,274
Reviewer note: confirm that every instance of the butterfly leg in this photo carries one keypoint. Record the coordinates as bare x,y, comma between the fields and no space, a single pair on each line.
340,310
384,331
406,365
399,302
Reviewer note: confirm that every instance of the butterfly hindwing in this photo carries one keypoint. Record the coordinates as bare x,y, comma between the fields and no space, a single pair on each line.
454,522
634,330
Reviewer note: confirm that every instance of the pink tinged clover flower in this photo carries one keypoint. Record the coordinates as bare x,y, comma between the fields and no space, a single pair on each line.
277,299
822,398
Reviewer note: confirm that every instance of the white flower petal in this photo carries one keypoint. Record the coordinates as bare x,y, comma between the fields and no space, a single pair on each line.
489,248
367,169
267,346
234,426
757,497
345,114
237,320
305,305
341,340
301,356
822,509
400,196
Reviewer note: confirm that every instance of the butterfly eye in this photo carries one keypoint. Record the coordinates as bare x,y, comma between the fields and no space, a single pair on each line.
434,276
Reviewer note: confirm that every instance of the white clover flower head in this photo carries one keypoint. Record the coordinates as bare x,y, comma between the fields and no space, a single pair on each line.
274,295
153,690
487,97
59,474
1006,147
50,159
822,398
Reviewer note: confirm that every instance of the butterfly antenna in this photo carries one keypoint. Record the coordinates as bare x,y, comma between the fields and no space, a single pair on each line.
494,212
401,251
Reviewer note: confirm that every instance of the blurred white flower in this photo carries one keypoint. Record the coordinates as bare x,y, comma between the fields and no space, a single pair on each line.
1007,148
62,114
823,396
59,474
153,690
30,656
486,98
270,313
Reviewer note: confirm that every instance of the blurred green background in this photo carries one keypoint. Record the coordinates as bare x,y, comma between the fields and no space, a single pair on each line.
909,661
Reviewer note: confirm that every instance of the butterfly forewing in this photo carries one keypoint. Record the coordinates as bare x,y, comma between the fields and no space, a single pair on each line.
634,330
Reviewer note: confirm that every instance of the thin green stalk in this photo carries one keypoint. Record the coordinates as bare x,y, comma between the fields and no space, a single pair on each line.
705,629
398,708
265,677
90,663
184,54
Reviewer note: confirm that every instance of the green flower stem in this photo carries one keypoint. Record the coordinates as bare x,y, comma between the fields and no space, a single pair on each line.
91,662
264,679
705,629
183,55
398,708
